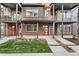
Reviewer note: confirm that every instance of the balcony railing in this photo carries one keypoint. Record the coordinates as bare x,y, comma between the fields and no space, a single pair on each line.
9,19
13,19
65,20
37,18
5,19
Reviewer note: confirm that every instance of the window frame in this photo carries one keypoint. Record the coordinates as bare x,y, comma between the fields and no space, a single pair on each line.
32,26
66,29
31,11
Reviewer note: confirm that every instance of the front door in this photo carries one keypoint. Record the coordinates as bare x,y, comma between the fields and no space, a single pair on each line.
45,27
11,29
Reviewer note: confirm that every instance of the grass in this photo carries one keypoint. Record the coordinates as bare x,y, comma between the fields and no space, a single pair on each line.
25,46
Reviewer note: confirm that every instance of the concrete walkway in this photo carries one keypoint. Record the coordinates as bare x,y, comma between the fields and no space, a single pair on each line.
51,41
28,54
5,39
76,48
59,51
64,41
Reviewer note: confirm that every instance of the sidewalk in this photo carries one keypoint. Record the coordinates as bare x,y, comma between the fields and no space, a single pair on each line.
76,48
64,41
28,54
59,51
51,41
5,39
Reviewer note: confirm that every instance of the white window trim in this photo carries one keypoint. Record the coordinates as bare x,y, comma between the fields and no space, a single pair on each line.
32,9
33,27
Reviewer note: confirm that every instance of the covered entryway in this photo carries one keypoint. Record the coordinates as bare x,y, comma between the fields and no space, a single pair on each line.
35,28
10,29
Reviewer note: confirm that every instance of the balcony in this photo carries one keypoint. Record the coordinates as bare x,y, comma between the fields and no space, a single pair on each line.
24,19
5,19
9,19
39,19
66,21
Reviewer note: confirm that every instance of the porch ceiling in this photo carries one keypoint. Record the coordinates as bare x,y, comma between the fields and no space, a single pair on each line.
66,22
12,6
66,5
57,5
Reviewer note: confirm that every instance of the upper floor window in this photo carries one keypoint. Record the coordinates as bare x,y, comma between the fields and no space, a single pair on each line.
5,11
46,13
2,12
32,12
18,16
66,14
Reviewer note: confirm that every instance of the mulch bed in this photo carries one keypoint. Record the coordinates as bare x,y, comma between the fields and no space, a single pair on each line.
65,47
73,40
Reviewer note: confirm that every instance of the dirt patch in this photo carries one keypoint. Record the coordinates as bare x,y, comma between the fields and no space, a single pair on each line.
65,46
73,40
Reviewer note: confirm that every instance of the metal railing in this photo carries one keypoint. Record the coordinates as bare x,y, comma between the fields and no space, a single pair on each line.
66,20
38,18
9,19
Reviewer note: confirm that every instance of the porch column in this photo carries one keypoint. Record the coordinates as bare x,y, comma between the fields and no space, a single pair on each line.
37,29
16,19
78,23
0,21
62,23
5,30
53,21
21,28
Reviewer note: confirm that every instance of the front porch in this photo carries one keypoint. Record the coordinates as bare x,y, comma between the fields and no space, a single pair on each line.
27,28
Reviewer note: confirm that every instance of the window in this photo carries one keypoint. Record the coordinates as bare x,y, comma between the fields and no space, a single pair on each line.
2,28
18,16
66,15
31,27
32,13
46,13
66,29
2,12
35,27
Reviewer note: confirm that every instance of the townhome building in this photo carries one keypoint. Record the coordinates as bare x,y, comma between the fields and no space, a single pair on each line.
39,19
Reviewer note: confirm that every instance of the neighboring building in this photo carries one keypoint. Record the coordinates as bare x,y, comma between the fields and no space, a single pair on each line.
37,19
69,21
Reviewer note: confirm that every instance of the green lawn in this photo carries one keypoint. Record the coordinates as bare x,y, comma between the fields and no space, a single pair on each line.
25,46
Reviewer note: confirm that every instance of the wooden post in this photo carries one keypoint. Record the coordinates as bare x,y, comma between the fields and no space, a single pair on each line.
16,19
78,23
37,30
0,21
62,23
53,21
